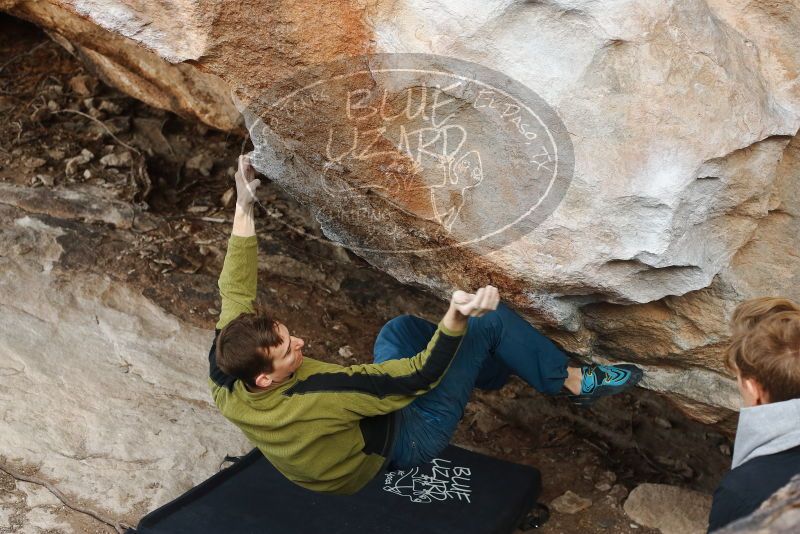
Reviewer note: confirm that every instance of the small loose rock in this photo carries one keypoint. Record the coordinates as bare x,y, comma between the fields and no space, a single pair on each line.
110,107
663,423
83,85
53,91
44,179
201,163
81,159
570,503
34,163
605,479
117,160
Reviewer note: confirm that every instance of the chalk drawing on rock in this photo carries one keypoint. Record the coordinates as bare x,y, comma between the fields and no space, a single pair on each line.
408,153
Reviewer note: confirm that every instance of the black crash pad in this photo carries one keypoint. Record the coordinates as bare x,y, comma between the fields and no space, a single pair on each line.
460,492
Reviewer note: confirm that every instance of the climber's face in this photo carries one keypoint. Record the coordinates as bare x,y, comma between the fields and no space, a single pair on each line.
286,358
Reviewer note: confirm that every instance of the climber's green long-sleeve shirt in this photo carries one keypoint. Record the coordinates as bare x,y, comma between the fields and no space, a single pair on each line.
328,428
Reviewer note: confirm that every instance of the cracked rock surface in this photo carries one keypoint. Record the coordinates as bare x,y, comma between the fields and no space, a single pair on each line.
682,117
110,308
101,370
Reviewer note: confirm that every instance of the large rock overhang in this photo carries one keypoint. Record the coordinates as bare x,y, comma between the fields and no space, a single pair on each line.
680,121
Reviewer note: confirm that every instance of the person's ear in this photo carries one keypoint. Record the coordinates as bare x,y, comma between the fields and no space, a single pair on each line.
753,392
263,380
762,395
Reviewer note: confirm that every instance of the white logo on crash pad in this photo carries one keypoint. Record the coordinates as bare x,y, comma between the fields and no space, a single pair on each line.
437,481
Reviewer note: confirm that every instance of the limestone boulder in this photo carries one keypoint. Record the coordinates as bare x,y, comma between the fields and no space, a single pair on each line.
102,391
625,172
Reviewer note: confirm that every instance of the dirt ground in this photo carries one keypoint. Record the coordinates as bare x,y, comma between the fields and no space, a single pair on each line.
179,171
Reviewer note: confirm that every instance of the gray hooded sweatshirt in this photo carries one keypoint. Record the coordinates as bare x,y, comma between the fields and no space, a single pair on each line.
766,429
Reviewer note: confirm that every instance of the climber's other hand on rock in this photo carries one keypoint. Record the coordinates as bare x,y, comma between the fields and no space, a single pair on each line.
478,304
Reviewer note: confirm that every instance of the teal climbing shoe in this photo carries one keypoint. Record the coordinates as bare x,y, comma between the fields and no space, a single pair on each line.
603,380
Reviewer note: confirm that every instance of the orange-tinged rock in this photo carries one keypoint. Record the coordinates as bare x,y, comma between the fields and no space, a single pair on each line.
674,191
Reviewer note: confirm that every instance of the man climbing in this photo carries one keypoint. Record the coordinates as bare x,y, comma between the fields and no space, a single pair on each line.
331,428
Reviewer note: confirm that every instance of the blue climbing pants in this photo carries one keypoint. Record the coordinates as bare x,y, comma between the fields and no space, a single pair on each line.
495,346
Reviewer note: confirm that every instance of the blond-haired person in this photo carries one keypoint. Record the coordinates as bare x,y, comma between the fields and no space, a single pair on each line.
765,355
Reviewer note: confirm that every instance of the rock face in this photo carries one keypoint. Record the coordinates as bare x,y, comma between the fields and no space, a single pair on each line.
626,173
106,390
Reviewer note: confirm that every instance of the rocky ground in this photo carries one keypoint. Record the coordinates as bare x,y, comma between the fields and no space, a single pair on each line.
143,198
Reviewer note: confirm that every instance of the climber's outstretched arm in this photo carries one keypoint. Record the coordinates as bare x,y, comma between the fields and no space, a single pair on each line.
237,282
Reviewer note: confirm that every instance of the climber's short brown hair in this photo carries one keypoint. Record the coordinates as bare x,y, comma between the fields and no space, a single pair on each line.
765,346
243,345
